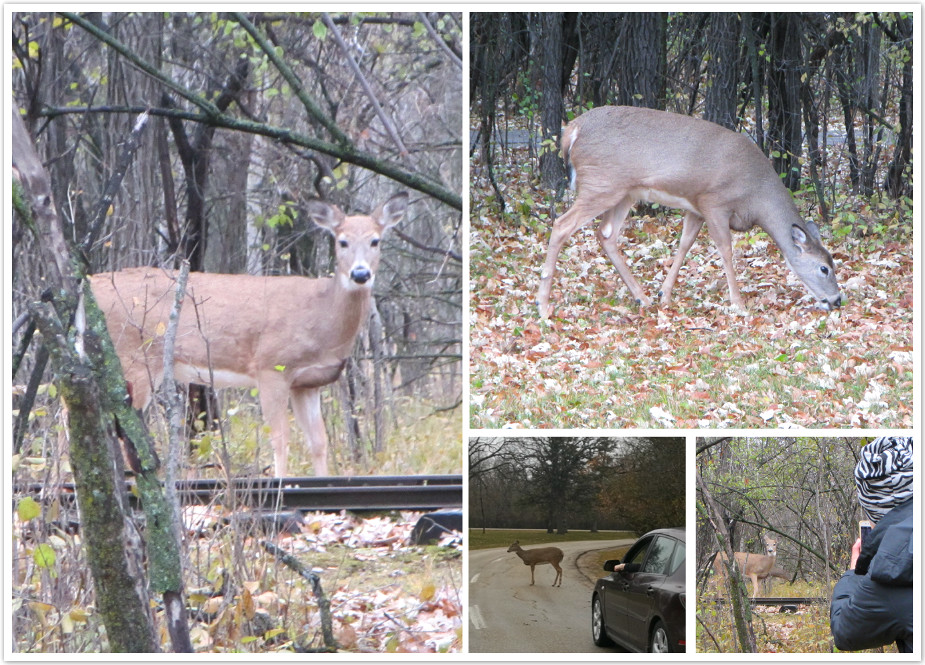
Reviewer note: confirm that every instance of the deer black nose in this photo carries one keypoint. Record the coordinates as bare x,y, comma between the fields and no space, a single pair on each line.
837,301
360,274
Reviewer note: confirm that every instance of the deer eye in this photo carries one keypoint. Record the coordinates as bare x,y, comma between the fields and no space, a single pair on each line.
374,242
824,270
342,242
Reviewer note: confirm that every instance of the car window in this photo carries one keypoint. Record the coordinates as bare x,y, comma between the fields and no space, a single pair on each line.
638,553
659,555
677,559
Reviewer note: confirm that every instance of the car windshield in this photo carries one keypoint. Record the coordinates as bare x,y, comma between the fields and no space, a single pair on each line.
659,556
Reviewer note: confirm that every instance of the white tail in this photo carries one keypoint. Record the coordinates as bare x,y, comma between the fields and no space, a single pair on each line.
620,155
755,566
538,555
287,336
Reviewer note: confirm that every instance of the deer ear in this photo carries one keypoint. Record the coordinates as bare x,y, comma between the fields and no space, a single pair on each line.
325,215
392,211
799,237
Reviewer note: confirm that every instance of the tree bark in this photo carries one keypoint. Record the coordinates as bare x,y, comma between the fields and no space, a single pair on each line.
641,63
723,69
112,540
552,171
784,116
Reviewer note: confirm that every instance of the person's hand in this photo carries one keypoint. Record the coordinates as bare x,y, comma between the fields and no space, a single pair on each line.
855,553
619,567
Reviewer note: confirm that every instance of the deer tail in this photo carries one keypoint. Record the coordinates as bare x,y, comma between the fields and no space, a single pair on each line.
569,135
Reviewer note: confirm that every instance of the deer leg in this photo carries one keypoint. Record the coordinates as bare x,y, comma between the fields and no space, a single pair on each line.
306,404
722,236
607,233
571,220
532,581
558,575
274,404
692,224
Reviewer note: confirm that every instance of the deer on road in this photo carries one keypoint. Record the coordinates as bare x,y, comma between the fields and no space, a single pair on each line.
539,555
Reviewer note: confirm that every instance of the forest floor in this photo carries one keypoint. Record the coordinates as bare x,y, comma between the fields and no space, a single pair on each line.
601,361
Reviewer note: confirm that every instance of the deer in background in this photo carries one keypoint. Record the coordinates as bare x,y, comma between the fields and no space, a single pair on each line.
755,566
538,555
619,155
287,336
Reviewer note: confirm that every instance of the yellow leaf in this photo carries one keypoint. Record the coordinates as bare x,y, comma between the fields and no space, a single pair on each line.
28,508
160,329
79,614
247,604
43,555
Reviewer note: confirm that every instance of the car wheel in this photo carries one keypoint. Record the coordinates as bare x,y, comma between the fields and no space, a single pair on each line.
658,639
597,624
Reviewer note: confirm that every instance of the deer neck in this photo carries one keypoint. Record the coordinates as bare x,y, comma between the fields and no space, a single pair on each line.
348,311
779,213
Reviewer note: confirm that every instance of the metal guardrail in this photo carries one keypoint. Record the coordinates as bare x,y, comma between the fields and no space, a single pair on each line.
773,601
356,493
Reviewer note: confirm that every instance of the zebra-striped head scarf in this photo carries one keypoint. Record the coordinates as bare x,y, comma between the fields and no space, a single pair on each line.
884,475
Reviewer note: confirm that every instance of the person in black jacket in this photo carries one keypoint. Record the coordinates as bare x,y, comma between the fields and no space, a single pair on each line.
872,602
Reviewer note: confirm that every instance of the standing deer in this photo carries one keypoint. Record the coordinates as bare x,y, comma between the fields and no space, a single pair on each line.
538,555
287,336
619,155
755,566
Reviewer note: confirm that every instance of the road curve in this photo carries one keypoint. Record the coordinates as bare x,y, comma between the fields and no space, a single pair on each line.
506,614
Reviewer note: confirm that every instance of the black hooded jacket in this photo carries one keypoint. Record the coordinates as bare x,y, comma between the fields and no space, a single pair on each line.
872,604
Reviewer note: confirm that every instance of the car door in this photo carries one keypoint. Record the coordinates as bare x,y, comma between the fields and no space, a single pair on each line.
615,598
640,589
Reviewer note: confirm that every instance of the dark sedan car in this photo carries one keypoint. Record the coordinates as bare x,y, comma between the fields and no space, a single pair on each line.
640,605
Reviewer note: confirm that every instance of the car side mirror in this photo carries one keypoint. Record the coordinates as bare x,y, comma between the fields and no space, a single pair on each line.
610,564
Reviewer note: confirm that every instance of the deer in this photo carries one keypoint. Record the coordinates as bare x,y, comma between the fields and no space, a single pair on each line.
620,155
288,336
538,555
754,566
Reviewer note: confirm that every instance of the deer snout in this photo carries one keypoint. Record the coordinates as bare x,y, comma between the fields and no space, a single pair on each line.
361,274
829,305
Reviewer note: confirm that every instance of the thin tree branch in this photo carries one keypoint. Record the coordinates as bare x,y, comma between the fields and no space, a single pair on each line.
347,154
294,83
208,107
383,116
422,17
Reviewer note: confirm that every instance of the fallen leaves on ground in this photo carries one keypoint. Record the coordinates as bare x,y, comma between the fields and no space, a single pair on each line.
601,361
386,595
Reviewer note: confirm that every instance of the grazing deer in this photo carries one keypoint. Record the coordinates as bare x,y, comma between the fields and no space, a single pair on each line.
288,336
755,566
538,555
619,155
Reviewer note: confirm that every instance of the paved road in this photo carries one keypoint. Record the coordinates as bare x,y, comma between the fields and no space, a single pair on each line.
506,614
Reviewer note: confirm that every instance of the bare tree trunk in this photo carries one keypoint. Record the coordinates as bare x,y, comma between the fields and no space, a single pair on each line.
114,549
94,391
552,172
898,181
723,69
641,67
784,117
741,609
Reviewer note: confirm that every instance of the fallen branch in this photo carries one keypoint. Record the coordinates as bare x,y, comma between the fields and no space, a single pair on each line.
324,605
